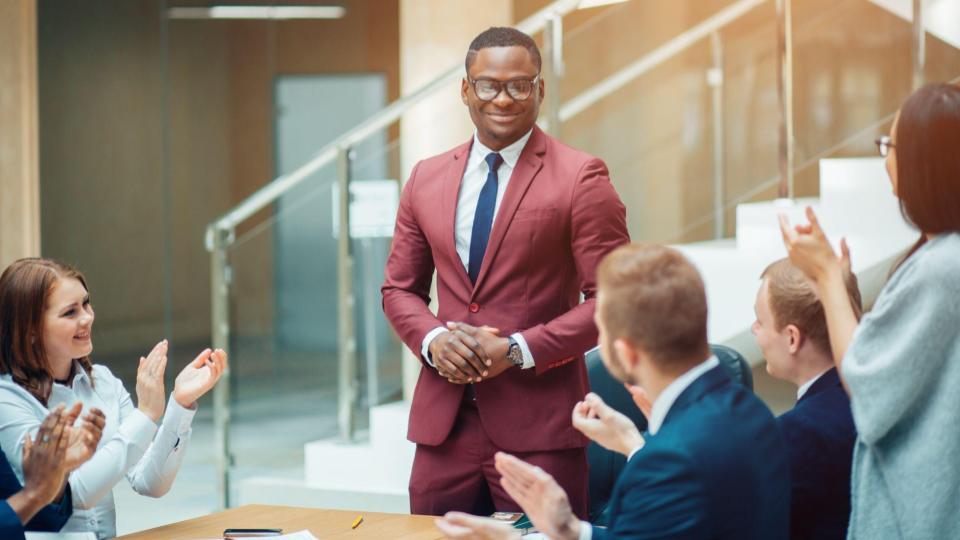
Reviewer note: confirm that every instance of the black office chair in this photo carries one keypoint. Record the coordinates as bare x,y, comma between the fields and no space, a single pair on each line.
605,466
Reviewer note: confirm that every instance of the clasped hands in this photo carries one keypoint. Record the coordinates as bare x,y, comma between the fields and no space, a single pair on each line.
536,491
469,354
198,377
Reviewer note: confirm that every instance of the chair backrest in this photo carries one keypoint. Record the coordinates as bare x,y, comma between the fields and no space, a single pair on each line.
605,466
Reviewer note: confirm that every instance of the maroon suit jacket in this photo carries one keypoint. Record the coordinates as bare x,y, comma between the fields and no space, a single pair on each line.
559,216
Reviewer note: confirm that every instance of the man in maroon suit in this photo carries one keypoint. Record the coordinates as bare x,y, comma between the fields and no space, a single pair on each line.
515,224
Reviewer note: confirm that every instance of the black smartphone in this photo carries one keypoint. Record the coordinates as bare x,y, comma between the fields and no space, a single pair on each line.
250,533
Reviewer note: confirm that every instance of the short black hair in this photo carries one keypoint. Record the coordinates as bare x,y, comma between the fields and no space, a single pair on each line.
502,36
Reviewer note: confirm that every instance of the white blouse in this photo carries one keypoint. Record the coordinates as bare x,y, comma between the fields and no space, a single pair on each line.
131,444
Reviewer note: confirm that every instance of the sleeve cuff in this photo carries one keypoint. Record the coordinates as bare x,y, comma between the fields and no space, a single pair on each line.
527,355
586,531
10,525
425,348
635,450
177,417
66,501
138,428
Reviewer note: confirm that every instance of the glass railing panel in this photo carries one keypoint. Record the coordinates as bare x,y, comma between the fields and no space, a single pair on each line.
283,319
659,133
655,131
375,178
284,315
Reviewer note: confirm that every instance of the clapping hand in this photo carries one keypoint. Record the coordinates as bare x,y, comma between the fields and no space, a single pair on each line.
540,496
151,396
608,427
810,250
83,439
44,466
199,376
460,526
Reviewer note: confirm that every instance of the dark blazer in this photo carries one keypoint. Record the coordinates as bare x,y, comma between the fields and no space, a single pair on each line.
716,469
50,519
820,435
559,216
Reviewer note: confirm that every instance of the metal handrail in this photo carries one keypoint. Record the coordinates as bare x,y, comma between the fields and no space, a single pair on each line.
390,114
654,58
537,22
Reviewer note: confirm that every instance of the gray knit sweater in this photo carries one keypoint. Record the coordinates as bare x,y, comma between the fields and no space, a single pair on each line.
903,372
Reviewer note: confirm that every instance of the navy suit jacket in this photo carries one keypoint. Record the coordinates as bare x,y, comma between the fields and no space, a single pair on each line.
50,519
717,469
820,435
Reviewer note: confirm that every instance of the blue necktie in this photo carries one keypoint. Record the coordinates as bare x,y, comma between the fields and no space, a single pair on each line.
483,218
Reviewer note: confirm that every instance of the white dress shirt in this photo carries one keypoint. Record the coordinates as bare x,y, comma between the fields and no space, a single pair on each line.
131,444
474,177
658,413
806,386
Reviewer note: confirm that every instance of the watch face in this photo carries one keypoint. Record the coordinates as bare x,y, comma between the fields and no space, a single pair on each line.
514,354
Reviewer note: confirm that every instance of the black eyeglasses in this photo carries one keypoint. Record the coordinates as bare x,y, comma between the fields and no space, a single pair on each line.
517,89
884,144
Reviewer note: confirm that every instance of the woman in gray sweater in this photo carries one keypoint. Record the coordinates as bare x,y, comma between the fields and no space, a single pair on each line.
901,363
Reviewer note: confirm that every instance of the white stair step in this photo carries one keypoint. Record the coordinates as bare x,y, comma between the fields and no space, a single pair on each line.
758,227
388,424
383,463
856,199
267,490
939,18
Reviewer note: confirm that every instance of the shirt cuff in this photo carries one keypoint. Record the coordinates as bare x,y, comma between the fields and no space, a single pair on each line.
635,450
527,355
138,428
178,418
425,348
586,531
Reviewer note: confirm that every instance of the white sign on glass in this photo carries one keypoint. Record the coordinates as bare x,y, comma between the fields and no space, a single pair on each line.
373,208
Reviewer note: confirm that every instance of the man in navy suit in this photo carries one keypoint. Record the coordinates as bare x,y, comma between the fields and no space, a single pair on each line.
714,465
791,330
46,464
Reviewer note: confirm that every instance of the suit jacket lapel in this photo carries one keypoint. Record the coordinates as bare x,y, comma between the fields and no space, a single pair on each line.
527,168
452,178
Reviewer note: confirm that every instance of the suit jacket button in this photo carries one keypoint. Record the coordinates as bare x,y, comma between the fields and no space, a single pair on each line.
474,307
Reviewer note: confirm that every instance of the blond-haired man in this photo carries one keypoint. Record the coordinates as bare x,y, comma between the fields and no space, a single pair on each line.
791,330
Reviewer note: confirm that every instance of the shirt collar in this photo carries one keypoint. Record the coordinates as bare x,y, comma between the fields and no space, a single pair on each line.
79,374
806,386
510,154
661,406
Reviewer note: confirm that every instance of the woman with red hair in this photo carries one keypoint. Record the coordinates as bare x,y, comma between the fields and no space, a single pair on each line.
45,342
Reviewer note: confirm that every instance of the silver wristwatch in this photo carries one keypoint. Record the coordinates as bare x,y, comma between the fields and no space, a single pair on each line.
514,354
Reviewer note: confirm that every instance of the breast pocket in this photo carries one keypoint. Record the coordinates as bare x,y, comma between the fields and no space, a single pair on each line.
535,214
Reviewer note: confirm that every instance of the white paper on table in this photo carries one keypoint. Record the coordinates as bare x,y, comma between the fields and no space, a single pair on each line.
60,536
299,535
302,535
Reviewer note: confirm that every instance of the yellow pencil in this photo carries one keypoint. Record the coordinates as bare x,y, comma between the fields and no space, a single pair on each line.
357,522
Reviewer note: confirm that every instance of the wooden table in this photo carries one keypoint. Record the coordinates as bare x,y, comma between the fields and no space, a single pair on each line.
324,524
